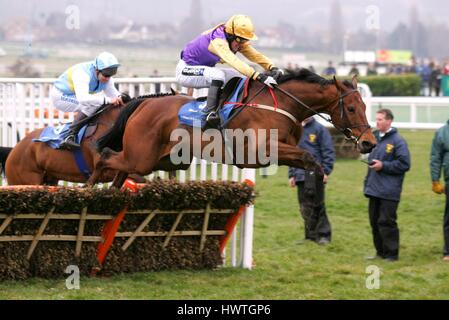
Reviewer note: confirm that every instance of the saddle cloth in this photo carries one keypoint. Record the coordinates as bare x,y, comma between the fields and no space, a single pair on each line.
191,114
54,136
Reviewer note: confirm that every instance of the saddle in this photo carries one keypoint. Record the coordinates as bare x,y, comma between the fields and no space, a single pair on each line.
191,114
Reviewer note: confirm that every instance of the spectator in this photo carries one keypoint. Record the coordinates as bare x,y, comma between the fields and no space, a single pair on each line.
317,140
312,69
157,86
435,80
330,70
424,72
446,68
354,71
371,71
388,162
439,160
289,67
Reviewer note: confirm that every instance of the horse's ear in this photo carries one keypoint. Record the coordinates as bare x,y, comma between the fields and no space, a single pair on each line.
354,81
337,84
173,91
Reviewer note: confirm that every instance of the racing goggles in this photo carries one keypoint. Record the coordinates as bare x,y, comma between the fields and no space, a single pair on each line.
108,72
241,40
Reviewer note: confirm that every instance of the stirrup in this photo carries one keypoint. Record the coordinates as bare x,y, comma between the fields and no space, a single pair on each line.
211,116
69,143
212,121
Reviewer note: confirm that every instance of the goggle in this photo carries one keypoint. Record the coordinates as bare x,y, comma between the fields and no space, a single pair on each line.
241,40
108,72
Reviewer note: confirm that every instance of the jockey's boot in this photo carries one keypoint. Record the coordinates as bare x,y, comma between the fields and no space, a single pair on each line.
69,142
212,116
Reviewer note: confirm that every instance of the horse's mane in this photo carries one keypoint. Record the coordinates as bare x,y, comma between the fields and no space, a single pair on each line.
310,77
113,137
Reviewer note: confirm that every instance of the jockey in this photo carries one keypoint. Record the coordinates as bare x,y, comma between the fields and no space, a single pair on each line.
196,68
83,88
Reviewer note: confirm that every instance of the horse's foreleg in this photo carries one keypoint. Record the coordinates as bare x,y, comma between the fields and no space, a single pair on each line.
119,179
293,156
100,166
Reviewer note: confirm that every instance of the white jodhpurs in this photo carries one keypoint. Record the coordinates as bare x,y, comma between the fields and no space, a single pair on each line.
69,103
202,76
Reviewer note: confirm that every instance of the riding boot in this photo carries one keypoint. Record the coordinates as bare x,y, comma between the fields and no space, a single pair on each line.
69,142
212,116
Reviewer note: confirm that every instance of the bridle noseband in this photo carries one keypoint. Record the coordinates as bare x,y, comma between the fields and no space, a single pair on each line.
348,130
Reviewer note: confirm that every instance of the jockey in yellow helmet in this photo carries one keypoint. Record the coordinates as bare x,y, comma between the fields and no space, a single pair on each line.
196,68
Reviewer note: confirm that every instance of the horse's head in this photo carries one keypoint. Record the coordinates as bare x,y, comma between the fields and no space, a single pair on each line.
348,115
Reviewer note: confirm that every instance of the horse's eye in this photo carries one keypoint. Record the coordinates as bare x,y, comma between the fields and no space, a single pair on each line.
351,109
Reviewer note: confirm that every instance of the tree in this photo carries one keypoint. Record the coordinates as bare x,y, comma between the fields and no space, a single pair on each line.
192,25
336,28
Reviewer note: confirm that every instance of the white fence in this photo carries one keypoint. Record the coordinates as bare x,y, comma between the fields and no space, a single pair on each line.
409,112
25,106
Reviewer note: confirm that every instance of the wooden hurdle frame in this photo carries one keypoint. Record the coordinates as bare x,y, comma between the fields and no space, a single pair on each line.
131,236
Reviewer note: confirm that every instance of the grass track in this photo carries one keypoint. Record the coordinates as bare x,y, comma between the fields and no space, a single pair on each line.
285,270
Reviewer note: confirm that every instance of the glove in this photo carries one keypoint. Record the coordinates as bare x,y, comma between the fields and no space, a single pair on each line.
276,73
437,187
267,80
125,97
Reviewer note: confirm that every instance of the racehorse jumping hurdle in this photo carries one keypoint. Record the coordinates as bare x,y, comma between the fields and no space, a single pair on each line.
167,225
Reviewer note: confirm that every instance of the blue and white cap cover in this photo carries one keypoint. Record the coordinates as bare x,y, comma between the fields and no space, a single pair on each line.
106,60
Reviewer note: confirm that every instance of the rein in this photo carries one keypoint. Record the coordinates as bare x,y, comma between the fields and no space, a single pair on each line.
347,132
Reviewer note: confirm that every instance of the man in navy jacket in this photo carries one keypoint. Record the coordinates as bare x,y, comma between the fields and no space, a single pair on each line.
388,162
317,140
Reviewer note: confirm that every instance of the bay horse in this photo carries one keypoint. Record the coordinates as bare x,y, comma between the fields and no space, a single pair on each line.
35,163
140,141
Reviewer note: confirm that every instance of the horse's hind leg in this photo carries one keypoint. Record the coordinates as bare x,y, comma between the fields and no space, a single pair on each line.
26,178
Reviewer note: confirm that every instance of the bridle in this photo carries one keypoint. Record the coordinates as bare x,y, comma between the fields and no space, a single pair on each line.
347,131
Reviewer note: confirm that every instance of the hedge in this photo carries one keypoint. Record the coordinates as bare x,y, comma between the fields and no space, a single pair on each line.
393,85
148,253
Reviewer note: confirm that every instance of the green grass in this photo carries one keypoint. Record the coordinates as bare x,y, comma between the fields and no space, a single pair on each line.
285,270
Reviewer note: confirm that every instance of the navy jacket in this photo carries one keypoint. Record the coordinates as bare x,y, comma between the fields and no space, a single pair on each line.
317,140
393,151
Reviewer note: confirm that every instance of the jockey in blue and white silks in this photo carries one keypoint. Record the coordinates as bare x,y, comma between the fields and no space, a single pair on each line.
85,87
196,68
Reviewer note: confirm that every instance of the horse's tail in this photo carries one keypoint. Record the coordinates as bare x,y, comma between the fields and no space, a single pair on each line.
113,137
4,153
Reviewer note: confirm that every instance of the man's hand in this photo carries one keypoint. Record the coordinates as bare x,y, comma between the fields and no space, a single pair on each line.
276,73
377,165
117,101
292,182
325,178
437,187
267,80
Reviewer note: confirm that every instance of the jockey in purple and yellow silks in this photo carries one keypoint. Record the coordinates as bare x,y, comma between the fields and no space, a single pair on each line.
196,69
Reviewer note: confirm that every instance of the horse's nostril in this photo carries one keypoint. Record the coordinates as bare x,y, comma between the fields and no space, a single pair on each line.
366,145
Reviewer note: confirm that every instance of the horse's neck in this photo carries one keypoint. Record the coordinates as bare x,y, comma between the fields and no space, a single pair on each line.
312,95
107,117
